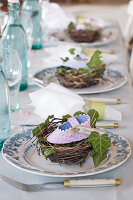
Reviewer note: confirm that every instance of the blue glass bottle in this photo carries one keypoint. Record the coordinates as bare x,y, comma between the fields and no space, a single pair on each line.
14,37
33,7
5,126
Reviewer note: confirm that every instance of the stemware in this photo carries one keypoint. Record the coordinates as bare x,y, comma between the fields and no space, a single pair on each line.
5,126
12,69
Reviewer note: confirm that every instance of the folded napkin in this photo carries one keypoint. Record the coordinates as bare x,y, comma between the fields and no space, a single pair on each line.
54,17
54,55
57,100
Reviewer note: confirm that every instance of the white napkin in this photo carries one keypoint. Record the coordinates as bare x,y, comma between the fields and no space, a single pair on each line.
61,51
57,100
54,17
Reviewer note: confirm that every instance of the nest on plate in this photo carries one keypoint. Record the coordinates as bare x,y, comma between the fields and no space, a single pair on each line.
71,153
80,78
86,36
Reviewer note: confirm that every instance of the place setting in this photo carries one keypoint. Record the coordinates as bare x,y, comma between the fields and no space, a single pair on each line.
99,31
66,102
26,148
74,63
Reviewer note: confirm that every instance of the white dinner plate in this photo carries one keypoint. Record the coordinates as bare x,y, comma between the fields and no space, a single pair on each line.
107,37
112,80
21,152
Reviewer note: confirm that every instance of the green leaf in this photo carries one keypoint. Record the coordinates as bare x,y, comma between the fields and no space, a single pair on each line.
88,27
61,70
48,119
78,113
36,131
84,70
65,59
97,158
93,117
72,51
71,25
95,60
92,153
82,142
66,116
100,143
74,72
41,139
48,152
92,74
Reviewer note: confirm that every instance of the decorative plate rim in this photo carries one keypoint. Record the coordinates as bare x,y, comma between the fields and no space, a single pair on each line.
110,40
39,82
34,170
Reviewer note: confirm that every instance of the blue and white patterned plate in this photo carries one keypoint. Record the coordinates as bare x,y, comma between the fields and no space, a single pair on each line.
112,80
21,152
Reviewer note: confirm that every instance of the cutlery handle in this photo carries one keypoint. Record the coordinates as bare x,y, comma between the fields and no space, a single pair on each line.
107,125
103,50
92,182
104,100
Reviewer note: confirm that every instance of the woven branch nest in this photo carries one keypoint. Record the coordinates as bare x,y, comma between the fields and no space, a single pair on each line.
71,155
70,79
84,35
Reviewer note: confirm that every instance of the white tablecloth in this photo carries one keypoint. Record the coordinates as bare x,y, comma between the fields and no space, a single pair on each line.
124,172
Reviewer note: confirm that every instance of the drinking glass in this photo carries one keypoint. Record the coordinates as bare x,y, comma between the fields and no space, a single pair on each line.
27,24
2,22
12,69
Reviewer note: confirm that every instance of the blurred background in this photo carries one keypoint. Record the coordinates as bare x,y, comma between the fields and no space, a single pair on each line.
73,2
107,9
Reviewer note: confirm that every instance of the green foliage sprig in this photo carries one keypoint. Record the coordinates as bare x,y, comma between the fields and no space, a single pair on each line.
100,145
72,51
71,25
95,60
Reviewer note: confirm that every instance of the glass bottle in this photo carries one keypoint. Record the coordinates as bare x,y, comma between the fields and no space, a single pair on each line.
34,8
14,37
5,126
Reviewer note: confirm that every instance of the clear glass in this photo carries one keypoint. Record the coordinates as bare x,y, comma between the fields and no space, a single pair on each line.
2,22
27,24
35,11
12,69
5,126
14,37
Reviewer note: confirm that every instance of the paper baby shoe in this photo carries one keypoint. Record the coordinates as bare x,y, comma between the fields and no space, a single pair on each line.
64,134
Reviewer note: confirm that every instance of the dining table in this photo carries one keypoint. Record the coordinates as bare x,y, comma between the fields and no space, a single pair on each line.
26,115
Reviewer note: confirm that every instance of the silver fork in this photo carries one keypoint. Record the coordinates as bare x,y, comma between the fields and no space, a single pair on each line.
67,183
30,187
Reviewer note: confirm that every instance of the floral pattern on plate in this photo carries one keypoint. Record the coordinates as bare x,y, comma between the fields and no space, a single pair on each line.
112,80
20,151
